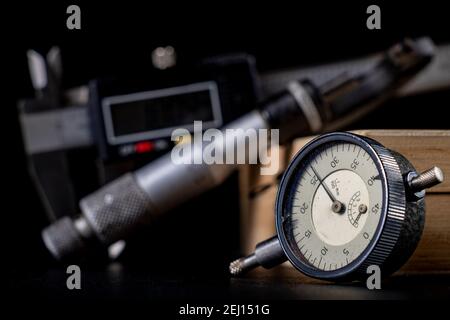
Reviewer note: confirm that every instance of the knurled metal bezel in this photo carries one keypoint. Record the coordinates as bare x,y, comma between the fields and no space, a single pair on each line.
396,209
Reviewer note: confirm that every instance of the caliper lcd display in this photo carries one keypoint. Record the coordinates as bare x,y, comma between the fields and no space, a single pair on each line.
155,114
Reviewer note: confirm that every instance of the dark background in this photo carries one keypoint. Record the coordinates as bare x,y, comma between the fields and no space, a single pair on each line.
117,38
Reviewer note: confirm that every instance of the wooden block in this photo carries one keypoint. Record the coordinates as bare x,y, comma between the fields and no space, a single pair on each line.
424,148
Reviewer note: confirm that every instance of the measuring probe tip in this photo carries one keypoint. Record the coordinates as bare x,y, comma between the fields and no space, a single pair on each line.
236,267
242,265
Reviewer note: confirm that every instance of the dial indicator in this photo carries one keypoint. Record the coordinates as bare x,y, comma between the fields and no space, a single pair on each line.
344,203
340,184
335,184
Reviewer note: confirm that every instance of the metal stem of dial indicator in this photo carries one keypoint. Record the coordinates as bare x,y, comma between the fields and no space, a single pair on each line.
267,254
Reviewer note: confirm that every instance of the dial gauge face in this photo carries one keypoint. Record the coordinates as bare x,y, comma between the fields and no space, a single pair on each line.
332,205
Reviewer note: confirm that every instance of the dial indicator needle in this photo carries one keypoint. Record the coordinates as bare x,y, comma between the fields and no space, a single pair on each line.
336,206
362,209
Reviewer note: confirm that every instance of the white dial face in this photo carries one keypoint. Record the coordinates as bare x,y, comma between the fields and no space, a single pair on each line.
337,205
